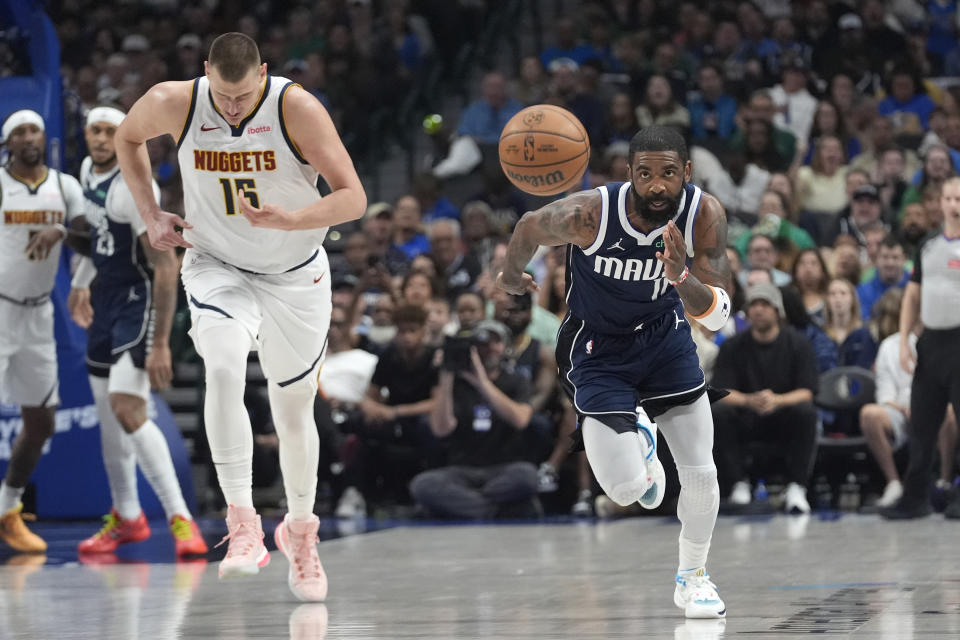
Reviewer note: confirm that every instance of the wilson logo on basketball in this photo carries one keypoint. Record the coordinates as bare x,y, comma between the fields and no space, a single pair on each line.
546,179
533,118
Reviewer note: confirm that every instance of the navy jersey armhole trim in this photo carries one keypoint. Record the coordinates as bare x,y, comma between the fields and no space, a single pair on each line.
193,107
283,123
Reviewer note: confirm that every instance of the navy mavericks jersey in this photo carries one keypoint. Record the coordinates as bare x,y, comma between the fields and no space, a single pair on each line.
617,283
115,229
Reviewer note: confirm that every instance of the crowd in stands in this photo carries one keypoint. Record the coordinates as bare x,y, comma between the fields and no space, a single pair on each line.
826,130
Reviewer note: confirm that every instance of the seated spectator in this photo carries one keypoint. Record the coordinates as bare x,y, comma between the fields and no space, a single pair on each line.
531,87
828,121
470,309
480,410
760,146
439,324
712,112
459,269
418,288
820,187
621,121
779,144
845,259
890,272
776,220
843,323
810,279
866,211
735,182
880,137
396,442
889,179
660,107
771,373
937,167
914,227
795,106
478,232
797,317
762,253
408,235
566,44
569,89
433,204
553,295
484,119
378,225
906,99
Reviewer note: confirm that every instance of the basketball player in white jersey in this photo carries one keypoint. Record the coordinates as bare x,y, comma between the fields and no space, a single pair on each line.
251,147
128,314
36,202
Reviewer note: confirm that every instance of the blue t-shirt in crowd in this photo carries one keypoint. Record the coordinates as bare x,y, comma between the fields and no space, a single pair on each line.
870,291
483,123
579,54
724,112
414,246
858,350
920,104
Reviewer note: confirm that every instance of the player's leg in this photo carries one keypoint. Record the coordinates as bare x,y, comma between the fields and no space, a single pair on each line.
296,315
29,377
876,424
689,433
129,388
617,455
126,522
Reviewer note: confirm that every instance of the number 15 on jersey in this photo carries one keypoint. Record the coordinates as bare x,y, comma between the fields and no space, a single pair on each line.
231,187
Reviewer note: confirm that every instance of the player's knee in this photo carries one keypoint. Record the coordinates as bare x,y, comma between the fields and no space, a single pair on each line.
626,493
130,411
38,423
700,492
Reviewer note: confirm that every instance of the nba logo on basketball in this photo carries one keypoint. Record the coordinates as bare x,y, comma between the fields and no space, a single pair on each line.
528,148
589,347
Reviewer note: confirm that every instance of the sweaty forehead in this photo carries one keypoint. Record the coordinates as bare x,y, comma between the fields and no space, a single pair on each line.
655,159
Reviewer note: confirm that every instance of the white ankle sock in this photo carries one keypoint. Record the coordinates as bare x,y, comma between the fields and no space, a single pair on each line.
119,456
9,497
153,456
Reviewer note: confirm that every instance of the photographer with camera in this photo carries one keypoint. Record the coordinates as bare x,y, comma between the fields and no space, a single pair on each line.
481,409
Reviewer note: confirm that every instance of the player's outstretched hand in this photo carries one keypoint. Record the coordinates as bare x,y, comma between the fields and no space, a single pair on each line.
78,302
526,283
163,232
160,366
269,216
674,254
40,243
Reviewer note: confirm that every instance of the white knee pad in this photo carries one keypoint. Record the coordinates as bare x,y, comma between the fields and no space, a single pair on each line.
617,460
700,493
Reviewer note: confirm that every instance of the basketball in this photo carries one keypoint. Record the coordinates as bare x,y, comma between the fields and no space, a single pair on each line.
544,150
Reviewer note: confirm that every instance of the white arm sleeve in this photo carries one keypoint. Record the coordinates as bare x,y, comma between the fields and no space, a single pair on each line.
84,274
716,316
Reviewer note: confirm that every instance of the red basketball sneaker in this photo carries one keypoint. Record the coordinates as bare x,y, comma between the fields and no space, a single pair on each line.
116,531
187,537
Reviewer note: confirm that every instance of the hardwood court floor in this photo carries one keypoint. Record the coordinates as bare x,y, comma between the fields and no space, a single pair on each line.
855,576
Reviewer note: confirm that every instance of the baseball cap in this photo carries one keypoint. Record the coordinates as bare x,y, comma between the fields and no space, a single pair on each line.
767,292
866,191
189,40
135,42
849,21
795,63
487,329
378,209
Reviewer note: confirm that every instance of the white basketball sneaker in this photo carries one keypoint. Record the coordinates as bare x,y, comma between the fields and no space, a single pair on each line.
697,595
647,429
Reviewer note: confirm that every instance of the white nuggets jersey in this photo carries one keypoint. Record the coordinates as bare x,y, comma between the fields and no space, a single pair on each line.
27,210
257,156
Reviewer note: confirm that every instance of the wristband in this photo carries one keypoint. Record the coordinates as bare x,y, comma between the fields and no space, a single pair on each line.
683,276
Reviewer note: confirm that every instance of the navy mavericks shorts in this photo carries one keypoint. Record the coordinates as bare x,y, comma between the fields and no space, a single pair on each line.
609,375
122,322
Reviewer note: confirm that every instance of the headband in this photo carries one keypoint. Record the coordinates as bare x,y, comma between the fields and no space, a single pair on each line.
109,115
21,117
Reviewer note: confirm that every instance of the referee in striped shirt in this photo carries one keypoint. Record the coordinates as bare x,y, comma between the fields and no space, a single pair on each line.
934,293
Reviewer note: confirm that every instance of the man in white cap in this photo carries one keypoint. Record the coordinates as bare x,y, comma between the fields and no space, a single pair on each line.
129,312
35,202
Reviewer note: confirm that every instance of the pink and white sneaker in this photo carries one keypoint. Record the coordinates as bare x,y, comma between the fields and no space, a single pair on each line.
297,540
246,554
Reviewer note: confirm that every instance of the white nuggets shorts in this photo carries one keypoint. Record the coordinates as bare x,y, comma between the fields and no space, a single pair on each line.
287,315
28,355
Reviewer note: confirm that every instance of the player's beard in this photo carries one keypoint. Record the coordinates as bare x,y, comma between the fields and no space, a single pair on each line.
106,163
657,217
30,156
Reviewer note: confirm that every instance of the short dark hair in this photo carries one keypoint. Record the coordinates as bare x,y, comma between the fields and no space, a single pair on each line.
410,314
891,241
234,55
659,138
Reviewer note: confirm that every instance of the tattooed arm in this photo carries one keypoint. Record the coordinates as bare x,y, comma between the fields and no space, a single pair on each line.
572,220
710,265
